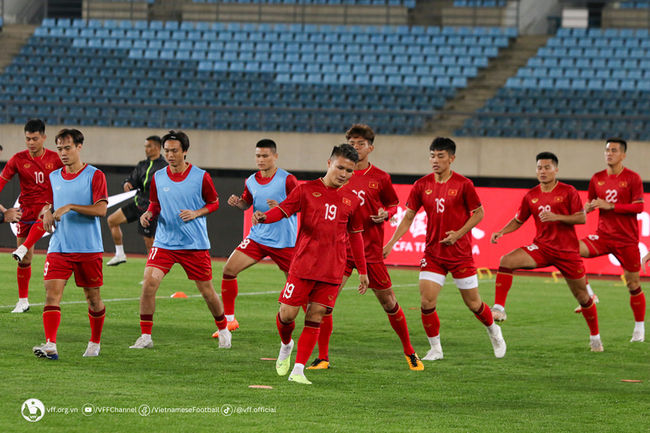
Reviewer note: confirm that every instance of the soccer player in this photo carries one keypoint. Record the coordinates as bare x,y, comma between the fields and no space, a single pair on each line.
263,190
327,213
78,198
556,209
140,179
33,167
187,195
617,193
453,208
378,204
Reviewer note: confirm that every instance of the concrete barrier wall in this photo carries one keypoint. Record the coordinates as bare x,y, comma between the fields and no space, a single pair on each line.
397,154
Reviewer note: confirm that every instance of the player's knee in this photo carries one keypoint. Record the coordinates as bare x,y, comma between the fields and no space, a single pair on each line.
387,299
633,284
506,262
229,272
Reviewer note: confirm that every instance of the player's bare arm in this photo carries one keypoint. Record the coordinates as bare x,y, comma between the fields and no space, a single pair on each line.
576,218
454,235
12,215
363,283
644,260
258,217
145,218
512,226
382,215
96,209
238,202
401,230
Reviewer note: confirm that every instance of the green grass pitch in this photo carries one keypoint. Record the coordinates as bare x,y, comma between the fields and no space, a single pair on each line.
549,381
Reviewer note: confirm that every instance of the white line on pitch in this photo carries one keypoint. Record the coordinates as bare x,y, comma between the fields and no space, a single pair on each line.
198,295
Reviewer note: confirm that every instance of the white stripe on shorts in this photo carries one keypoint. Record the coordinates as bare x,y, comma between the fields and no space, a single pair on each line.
439,279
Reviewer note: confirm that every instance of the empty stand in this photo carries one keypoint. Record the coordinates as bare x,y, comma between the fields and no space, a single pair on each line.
285,77
585,83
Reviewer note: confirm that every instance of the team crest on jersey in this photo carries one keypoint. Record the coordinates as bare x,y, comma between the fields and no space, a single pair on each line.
601,182
316,194
535,200
428,191
623,184
452,192
27,165
49,166
346,201
373,185
559,198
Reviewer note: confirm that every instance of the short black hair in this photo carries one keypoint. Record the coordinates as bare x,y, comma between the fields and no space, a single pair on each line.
443,143
74,134
1,148
267,143
155,139
179,136
346,151
618,140
35,125
547,155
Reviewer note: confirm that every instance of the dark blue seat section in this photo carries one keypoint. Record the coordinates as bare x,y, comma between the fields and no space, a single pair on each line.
584,84
243,76
406,3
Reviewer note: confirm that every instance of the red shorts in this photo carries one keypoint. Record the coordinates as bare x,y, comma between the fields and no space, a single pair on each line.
30,215
298,292
459,269
256,251
569,264
87,268
196,263
628,255
377,274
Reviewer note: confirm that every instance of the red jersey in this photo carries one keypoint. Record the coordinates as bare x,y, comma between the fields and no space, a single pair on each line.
624,188
562,200
34,175
327,214
374,189
448,206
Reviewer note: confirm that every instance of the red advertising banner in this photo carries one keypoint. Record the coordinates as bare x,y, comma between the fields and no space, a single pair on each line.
500,206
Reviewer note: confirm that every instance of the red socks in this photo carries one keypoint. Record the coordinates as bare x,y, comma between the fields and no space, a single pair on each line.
51,321
591,316
146,323
35,233
23,275
398,322
502,286
326,326
229,292
96,324
484,314
307,341
285,329
221,322
637,302
431,322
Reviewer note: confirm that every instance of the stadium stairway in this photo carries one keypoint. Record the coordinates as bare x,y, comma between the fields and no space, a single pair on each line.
485,85
12,38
